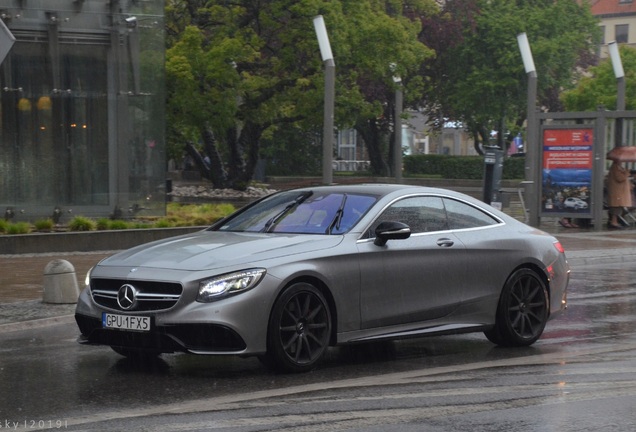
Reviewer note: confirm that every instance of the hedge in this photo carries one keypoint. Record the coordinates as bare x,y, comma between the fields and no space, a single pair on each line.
459,167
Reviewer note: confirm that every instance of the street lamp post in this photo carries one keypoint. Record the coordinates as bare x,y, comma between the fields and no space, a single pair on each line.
397,147
330,82
619,73
531,147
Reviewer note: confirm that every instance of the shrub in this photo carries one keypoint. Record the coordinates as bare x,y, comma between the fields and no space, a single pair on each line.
118,224
3,225
102,224
459,167
18,228
81,223
44,224
163,223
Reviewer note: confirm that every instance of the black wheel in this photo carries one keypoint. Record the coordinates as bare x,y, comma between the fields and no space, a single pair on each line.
299,329
522,312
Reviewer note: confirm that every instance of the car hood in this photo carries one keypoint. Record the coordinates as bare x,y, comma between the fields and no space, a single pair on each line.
212,249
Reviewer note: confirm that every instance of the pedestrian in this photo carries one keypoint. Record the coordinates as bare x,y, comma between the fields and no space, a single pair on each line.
619,193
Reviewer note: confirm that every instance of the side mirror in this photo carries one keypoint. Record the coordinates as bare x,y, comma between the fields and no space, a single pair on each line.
391,231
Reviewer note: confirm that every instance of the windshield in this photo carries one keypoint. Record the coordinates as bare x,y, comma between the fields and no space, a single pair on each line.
307,212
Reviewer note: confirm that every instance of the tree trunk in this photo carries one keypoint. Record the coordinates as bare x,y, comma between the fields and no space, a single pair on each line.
373,140
216,170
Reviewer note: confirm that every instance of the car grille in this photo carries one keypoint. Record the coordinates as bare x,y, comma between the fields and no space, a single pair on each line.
151,295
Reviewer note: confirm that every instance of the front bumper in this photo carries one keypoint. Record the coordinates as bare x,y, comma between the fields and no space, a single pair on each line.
194,338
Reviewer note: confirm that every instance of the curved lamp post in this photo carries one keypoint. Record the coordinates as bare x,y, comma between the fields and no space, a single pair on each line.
619,73
531,147
330,79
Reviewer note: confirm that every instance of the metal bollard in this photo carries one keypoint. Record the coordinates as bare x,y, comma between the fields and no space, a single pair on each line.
60,283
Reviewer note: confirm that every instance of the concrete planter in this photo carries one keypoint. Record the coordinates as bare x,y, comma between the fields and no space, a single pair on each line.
87,241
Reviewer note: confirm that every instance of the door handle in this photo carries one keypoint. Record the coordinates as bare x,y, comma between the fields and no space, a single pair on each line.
445,242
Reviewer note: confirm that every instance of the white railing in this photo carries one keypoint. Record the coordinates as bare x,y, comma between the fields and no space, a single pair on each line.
350,165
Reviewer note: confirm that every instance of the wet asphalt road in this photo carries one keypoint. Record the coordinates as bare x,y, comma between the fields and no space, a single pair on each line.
581,376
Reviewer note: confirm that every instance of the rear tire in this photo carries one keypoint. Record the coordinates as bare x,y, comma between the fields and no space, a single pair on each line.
522,312
299,329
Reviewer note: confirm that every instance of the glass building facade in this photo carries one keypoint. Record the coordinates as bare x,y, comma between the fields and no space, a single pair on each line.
82,109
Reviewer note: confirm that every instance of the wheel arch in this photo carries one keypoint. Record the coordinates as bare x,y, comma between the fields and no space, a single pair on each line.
324,290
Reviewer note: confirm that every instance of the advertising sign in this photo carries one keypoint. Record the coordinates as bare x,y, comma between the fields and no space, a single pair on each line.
567,171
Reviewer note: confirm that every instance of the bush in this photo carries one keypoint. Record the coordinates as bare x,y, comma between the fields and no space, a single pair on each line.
3,225
102,224
18,228
44,224
118,224
163,223
459,167
81,223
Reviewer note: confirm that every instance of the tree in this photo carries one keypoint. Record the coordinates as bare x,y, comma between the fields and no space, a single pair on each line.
238,71
235,71
598,87
478,73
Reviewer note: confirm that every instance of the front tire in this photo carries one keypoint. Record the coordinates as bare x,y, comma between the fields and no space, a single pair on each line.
522,312
299,329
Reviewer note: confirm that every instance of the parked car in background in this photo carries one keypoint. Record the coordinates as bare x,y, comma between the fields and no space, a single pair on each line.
298,271
574,203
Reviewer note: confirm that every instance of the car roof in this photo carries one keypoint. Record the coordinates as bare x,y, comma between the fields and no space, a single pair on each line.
380,189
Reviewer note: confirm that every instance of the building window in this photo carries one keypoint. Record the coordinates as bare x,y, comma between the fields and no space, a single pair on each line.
621,33
602,34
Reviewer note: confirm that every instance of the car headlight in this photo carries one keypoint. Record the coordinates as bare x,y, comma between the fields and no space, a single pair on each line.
233,283
87,279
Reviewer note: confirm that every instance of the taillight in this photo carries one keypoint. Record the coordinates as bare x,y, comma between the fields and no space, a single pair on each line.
558,246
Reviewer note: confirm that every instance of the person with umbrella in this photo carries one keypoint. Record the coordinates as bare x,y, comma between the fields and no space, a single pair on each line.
619,186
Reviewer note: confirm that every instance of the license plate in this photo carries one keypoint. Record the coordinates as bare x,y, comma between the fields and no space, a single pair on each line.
126,322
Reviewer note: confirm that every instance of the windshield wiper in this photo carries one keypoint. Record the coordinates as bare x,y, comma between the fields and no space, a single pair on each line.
335,223
299,200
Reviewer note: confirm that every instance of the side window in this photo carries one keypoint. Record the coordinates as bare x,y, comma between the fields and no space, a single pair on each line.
462,215
421,214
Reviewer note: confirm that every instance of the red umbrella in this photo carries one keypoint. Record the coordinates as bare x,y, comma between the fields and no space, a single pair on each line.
623,154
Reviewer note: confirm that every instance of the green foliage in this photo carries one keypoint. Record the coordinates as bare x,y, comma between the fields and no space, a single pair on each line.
119,224
3,225
44,224
81,223
163,223
599,87
102,224
478,75
430,164
196,215
459,167
514,168
18,228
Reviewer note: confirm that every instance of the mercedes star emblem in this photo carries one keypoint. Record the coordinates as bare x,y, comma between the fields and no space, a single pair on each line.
127,297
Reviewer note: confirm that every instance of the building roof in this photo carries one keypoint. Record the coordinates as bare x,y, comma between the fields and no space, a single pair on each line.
613,7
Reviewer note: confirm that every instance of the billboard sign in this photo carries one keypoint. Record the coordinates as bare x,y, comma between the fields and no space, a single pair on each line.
567,171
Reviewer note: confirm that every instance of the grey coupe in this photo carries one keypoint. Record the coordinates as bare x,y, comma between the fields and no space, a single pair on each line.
298,271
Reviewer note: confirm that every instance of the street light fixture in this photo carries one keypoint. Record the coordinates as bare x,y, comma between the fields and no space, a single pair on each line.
619,73
531,148
330,80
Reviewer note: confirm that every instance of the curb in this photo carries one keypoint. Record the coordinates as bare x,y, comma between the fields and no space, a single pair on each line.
600,256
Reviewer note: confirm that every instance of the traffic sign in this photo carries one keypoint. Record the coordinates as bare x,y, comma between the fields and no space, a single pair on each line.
6,40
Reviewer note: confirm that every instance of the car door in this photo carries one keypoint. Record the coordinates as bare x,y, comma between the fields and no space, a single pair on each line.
416,279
